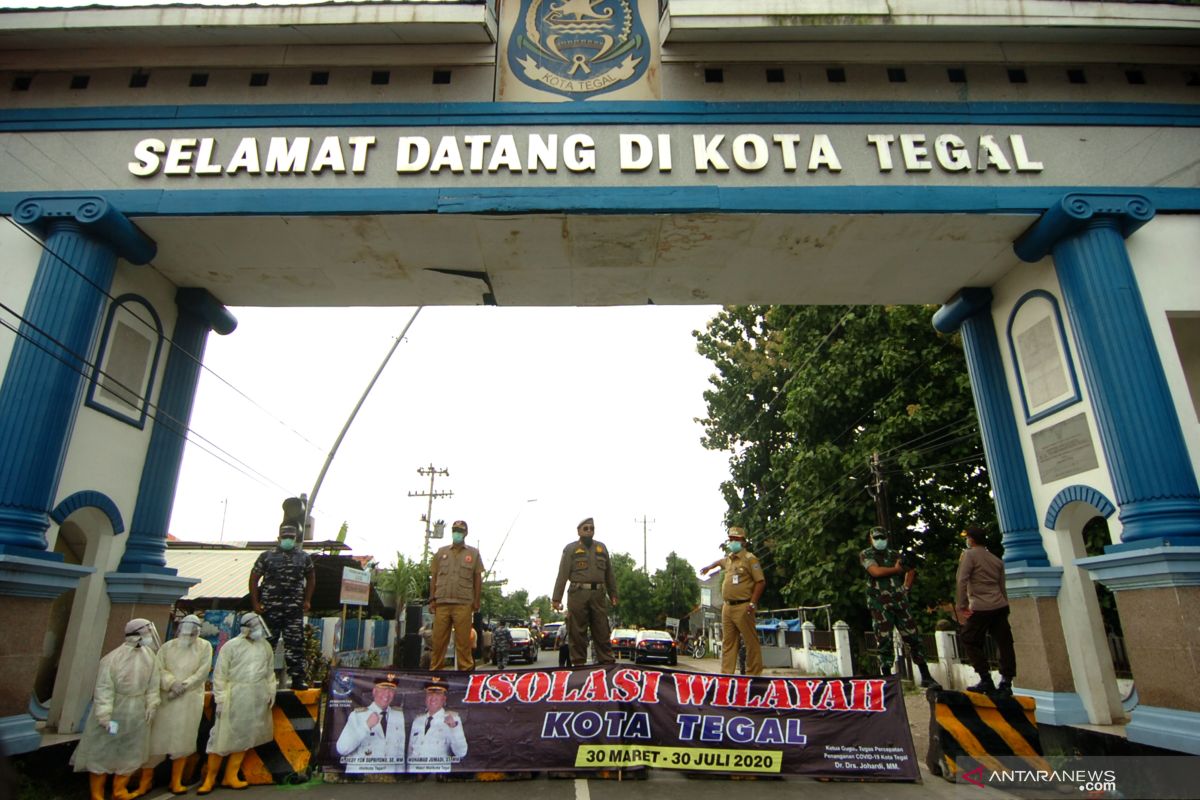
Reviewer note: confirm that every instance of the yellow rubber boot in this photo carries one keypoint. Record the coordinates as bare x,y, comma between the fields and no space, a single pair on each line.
145,782
121,786
231,779
176,786
210,774
96,782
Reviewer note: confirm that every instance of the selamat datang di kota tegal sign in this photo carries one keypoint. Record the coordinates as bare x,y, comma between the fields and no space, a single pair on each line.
614,716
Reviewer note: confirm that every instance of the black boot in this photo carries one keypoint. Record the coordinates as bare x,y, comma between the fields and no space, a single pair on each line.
985,686
927,681
1005,687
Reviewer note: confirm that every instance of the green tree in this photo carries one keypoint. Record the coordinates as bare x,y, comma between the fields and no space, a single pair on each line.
516,605
491,601
542,607
407,578
342,531
676,589
802,398
634,591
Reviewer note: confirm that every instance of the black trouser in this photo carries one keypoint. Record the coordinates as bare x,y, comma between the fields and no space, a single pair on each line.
564,655
974,636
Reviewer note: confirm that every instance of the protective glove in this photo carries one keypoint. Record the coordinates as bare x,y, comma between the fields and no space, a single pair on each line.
218,709
149,715
177,688
103,720
271,700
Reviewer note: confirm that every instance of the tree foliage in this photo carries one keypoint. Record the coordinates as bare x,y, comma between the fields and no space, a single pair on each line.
802,398
407,578
676,588
636,607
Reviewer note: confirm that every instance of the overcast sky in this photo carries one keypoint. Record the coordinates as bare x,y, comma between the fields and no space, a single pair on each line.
588,411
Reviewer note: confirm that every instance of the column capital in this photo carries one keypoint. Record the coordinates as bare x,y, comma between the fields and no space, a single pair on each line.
966,303
1078,211
202,304
95,216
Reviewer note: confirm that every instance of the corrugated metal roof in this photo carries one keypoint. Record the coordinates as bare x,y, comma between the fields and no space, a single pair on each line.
222,573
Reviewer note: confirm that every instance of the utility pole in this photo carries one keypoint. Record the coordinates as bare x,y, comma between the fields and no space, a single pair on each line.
433,472
883,514
643,520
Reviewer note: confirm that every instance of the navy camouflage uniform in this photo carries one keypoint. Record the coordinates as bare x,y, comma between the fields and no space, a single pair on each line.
887,600
281,591
501,645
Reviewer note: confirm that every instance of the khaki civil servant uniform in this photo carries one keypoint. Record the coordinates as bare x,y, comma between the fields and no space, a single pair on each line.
589,569
455,568
742,571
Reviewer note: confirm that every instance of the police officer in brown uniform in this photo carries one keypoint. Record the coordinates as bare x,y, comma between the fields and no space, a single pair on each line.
587,564
741,587
455,589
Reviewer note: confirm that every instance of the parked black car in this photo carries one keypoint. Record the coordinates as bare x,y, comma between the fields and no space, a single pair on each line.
524,647
622,642
549,632
655,646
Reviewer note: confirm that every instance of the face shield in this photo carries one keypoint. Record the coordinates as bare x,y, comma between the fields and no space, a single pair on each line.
189,627
142,633
254,627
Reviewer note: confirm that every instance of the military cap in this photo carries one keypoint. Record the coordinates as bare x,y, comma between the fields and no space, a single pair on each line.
289,530
436,684
459,525
587,521
387,681
737,532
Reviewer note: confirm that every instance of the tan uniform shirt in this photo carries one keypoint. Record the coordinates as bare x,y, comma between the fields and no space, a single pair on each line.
981,579
455,569
585,563
742,571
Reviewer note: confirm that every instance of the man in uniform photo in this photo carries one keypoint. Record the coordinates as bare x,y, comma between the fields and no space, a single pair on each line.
437,740
455,590
741,586
281,590
373,737
588,566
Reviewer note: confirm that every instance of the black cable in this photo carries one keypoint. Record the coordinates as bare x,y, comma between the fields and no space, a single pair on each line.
154,329
167,418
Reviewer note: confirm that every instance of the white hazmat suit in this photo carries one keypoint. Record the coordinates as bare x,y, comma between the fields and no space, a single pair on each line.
116,738
184,663
244,693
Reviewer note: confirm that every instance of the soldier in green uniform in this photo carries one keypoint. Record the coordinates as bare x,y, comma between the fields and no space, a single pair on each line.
455,589
588,566
888,582
741,586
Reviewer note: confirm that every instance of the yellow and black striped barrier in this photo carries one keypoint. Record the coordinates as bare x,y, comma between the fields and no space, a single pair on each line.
983,728
287,756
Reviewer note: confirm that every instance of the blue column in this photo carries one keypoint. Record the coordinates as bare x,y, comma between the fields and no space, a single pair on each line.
970,309
1139,430
48,368
199,312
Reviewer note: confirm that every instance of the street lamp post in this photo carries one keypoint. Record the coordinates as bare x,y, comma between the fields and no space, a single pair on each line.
511,525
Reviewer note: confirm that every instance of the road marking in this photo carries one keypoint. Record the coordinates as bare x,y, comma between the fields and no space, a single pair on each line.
581,789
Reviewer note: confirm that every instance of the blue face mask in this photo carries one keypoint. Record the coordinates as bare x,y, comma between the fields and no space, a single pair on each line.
458,537
879,544
735,547
287,543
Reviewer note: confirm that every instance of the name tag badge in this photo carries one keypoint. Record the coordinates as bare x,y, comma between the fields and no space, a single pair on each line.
737,579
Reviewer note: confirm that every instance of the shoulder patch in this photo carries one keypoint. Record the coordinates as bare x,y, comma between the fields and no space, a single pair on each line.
599,548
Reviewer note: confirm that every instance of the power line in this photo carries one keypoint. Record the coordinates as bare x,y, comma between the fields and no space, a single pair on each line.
184,430
155,331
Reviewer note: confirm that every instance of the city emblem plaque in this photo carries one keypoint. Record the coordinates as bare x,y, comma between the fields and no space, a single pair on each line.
579,48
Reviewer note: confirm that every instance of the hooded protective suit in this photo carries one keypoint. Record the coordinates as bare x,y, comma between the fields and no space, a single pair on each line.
183,663
127,695
244,693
